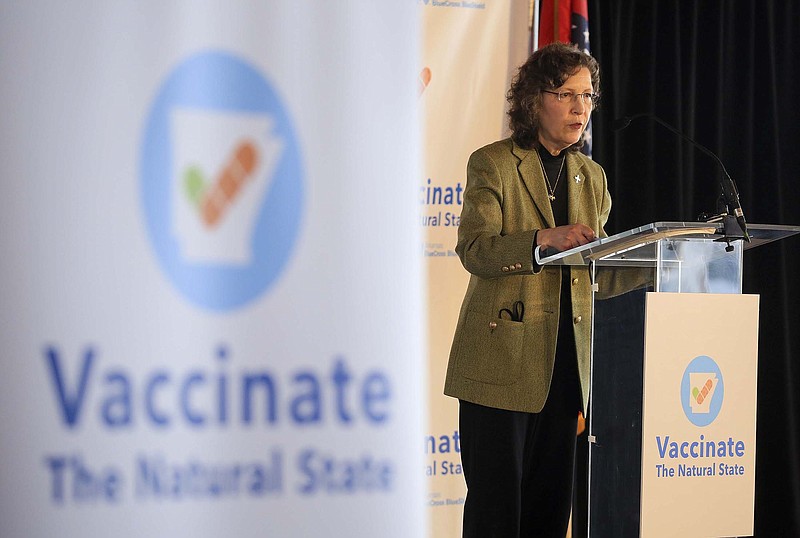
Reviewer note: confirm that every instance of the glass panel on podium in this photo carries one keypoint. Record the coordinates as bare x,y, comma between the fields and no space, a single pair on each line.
676,257
695,265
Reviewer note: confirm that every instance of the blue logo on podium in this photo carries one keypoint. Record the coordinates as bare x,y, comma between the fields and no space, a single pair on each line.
702,391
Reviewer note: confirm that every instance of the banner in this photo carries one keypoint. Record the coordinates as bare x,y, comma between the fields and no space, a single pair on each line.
211,290
470,52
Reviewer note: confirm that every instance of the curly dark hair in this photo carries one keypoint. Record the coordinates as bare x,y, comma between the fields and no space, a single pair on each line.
546,69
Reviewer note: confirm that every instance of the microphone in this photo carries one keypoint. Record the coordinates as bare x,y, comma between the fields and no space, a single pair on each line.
729,191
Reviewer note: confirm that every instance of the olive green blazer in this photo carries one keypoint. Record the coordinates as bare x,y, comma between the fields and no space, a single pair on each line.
498,362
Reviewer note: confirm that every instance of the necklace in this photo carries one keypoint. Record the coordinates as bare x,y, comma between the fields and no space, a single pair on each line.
551,188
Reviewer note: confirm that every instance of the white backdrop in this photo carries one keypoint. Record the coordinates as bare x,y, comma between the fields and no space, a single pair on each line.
211,289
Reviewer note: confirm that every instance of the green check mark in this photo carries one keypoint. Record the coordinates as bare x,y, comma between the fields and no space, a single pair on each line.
195,185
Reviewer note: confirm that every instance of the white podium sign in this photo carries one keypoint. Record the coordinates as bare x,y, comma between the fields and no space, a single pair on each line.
699,415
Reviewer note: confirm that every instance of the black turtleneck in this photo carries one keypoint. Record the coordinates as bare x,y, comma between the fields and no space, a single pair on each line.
565,344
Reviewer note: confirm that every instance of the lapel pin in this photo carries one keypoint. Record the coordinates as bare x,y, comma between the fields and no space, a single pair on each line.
578,179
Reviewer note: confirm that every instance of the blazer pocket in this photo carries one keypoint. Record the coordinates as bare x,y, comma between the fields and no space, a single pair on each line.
491,349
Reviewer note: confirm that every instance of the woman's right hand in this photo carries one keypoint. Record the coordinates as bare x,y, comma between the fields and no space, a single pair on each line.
565,237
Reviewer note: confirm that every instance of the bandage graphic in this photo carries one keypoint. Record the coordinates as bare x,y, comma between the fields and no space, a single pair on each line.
223,166
700,395
703,386
214,201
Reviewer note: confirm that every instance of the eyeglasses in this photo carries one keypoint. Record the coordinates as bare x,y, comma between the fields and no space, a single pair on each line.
587,98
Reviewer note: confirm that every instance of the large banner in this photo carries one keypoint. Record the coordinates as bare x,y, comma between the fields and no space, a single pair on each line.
470,52
211,292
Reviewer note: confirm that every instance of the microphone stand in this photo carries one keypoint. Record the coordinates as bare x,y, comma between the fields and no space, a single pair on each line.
734,225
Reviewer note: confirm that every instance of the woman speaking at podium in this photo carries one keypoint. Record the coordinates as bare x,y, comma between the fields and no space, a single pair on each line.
519,363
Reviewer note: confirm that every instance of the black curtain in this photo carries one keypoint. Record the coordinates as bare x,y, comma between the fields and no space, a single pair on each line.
726,74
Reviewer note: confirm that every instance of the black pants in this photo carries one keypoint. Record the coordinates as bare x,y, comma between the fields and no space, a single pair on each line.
519,466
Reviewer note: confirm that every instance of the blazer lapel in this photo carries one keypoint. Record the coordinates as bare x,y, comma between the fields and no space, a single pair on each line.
576,179
530,170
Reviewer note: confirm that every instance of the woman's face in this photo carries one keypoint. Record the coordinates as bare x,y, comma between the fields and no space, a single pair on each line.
561,123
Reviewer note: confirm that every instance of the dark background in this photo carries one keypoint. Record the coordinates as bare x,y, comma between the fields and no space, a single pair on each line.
726,74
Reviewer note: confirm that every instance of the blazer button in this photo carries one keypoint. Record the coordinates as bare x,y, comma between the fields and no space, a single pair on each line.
518,266
505,269
578,319
492,324
574,281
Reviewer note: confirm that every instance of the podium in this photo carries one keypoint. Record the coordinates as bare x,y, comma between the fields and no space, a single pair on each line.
672,413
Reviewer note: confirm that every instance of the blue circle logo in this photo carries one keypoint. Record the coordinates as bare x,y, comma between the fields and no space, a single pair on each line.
221,181
702,391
